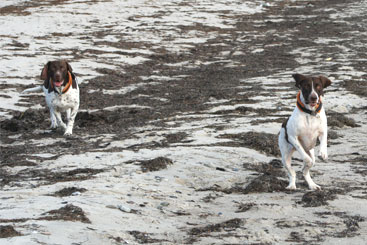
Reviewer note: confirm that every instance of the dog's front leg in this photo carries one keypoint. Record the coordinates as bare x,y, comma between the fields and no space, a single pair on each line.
309,160
323,145
296,144
71,114
59,119
53,119
306,172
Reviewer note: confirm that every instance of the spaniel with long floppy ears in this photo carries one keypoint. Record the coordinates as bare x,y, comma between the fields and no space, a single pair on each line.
301,130
61,92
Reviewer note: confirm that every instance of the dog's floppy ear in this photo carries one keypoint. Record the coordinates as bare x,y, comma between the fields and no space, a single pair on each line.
298,78
46,84
325,81
44,73
69,66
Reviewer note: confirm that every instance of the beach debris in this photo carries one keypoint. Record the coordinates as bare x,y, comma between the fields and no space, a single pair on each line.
339,120
69,191
317,198
262,142
265,183
8,231
124,208
155,164
228,225
220,169
67,213
244,207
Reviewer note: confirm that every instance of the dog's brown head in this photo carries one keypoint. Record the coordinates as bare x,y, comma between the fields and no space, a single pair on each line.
56,72
312,87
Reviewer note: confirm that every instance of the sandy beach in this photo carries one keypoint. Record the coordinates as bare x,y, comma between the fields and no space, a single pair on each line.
181,104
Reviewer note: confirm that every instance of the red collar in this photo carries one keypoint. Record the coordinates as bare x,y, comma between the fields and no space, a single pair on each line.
68,85
303,108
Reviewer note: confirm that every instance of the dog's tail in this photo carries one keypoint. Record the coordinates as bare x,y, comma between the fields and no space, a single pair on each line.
30,90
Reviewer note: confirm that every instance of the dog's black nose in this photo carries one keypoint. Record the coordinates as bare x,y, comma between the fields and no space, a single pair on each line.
57,76
313,98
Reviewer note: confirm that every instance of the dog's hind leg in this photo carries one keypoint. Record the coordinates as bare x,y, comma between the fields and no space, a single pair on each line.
286,160
287,151
306,171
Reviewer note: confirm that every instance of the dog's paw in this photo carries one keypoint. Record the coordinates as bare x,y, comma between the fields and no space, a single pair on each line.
314,187
291,187
68,132
323,154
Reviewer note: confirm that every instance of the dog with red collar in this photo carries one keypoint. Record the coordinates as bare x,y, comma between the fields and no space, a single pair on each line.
61,93
306,124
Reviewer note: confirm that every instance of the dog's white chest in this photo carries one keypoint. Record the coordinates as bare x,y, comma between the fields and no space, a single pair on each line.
62,102
308,129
